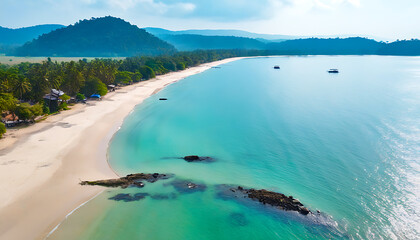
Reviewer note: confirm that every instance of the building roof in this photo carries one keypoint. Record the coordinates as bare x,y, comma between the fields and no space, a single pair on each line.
54,95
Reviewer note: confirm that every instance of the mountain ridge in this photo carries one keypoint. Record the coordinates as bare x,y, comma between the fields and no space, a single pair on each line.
18,36
96,37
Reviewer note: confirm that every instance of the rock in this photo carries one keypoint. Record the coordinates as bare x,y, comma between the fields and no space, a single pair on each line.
163,99
192,158
277,200
195,158
187,186
129,198
274,199
129,180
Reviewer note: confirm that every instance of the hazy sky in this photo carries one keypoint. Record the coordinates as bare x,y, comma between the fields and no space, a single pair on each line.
383,18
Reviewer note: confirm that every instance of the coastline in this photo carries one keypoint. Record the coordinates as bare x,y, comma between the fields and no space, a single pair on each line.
40,171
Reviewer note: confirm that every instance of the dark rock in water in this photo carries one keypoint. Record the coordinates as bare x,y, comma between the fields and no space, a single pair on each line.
191,158
195,158
278,200
163,99
187,186
238,219
129,198
129,180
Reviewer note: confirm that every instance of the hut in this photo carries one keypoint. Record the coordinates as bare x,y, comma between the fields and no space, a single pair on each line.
52,99
111,88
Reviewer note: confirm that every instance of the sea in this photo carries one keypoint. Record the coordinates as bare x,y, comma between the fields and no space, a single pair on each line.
346,145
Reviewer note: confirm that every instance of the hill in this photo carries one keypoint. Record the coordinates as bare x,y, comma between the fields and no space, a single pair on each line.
402,48
332,46
190,42
97,37
19,36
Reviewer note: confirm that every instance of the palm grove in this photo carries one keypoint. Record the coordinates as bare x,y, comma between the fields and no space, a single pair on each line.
23,86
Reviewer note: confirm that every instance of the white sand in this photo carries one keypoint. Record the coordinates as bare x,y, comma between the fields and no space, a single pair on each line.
40,167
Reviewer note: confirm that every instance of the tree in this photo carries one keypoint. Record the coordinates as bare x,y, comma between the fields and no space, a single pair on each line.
37,109
7,102
27,112
80,97
65,97
2,129
136,77
23,111
147,72
39,82
94,86
123,77
180,66
73,79
21,87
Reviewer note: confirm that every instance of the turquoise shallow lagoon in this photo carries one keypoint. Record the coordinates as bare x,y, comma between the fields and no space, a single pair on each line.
345,144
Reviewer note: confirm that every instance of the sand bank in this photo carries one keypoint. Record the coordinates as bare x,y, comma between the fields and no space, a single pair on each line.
40,167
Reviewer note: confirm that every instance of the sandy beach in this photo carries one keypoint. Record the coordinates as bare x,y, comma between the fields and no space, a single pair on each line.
41,165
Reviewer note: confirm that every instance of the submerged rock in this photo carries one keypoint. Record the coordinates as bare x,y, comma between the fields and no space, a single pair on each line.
129,180
185,186
192,158
195,158
129,198
238,219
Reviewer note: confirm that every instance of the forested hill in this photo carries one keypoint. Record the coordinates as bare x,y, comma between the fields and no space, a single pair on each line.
345,46
19,36
402,48
190,42
97,37
333,46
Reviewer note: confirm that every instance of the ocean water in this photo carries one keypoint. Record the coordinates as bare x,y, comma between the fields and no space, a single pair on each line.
347,145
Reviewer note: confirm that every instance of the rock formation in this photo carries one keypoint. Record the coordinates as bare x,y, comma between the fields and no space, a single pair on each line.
129,180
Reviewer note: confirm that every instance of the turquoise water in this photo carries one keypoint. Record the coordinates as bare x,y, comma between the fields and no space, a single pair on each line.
345,144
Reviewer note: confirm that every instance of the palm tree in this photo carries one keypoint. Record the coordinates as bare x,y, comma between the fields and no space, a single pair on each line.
22,86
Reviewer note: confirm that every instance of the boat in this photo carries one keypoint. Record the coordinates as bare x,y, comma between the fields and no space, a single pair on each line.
333,70
276,67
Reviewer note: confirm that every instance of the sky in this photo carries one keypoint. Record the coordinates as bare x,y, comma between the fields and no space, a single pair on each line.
382,19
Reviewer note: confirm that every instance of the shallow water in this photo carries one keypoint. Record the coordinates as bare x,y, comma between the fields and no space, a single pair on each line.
345,144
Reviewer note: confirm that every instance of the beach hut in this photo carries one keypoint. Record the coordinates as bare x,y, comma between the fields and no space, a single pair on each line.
111,88
52,99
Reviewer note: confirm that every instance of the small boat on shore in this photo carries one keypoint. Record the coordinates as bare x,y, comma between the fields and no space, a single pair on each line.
276,67
333,70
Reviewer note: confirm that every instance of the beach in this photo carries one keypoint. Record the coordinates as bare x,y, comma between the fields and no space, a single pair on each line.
41,165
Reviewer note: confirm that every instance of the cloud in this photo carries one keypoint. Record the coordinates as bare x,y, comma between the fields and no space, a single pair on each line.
215,10
355,3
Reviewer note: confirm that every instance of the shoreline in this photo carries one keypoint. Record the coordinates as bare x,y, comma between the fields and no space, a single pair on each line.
41,168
